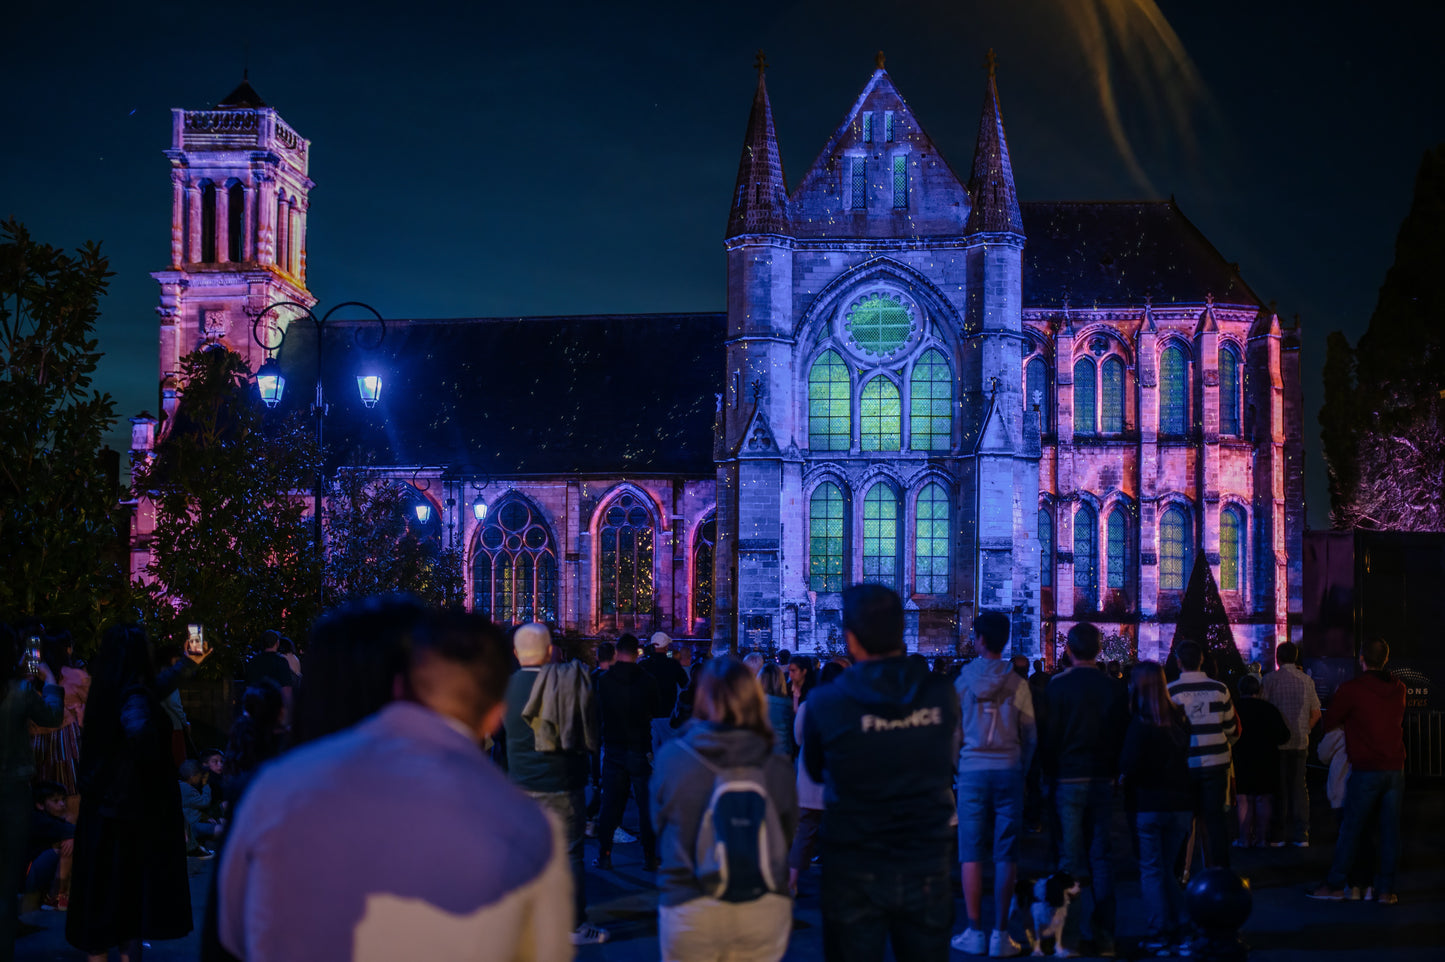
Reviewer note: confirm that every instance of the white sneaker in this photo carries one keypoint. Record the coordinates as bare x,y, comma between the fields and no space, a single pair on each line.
1001,945
621,837
970,942
588,934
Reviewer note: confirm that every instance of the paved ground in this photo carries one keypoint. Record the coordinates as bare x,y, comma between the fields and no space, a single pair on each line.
1284,927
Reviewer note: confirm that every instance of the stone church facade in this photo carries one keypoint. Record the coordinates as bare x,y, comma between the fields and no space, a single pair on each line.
1052,410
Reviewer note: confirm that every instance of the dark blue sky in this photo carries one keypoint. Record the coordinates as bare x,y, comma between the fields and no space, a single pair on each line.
540,158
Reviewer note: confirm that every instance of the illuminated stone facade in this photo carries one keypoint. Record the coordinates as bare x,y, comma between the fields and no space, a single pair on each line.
1043,409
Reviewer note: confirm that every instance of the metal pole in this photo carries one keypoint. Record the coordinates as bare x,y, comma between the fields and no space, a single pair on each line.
320,468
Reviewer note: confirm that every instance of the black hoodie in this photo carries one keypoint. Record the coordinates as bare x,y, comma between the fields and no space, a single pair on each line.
883,740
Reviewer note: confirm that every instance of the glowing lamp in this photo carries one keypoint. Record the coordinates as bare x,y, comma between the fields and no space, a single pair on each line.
270,382
479,508
369,385
423,511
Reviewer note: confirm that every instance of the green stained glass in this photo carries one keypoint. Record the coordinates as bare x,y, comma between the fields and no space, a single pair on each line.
868,127
900,181
880,416
860,183
1084,388
830,417
1111,412
888,125
1086,555
1174,548
931,404
880,536
1172,406
1118,547
879,323
1231,549
1046,547
1036,390
1228,391
931,542
825,538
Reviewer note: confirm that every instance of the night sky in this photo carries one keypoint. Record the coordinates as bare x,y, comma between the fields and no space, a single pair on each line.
536,158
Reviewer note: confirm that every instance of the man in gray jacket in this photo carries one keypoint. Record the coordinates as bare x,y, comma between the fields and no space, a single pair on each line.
999,735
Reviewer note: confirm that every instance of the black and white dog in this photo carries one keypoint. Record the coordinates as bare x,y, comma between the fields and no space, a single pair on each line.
1041,906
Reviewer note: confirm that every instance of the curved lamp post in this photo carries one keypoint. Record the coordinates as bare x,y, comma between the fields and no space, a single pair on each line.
271,383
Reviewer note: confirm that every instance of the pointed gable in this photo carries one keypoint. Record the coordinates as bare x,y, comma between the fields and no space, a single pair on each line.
991,185
879,175
760,197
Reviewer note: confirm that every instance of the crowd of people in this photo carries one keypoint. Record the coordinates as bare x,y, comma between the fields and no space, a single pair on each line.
418,785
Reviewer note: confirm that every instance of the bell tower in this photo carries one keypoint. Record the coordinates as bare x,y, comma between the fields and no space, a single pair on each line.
239,198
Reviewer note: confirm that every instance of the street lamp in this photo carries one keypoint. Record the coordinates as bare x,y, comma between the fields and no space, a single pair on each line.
270,383
423,511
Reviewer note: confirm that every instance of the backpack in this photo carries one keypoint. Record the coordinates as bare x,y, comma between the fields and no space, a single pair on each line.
739,836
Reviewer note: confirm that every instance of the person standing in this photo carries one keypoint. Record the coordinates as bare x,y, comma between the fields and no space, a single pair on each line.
57,750
780,708
999,735
1371,710
1213,728
1084,724
556,779
734,907
269,666
881,739
1256,762
669,677
626,705
1293,692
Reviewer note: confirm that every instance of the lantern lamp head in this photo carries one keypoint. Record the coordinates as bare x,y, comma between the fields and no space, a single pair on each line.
423,511
479,509
369,386
270,382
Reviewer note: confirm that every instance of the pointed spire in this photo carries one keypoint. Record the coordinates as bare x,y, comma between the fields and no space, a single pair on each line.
760,197
991,187
1147,326
244,95
1207,324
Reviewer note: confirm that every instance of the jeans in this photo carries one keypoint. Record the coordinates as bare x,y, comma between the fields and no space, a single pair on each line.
984,795
1292,810
1085,810
623,772
707,928
1370,796
869,901
569,807
1211,790
1161,839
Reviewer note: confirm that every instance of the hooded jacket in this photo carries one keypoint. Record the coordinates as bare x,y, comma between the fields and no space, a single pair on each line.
882,739
999,729
682,787
1371,710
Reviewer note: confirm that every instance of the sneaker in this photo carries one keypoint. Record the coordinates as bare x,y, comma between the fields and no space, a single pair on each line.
1156,947
1388,898
623,838
1276,844
61,903
1326,894
1369,893
588,934
970,942
1304,844
1240,843
1353,893
201,852
1001,945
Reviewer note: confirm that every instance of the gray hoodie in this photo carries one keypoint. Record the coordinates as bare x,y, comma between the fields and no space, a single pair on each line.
998,724
682,787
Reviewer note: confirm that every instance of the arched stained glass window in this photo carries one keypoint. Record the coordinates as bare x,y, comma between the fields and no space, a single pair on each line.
1173,390
1228,390
931,404
830,416
1046,547
702,573
1118,547
880,535
514,568
931,541
625,569
826,538
1231,548
880,419
1111,411
1084,390
1175,547
1036,390
1086,555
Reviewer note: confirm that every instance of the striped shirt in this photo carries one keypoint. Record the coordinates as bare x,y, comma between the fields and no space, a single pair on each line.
1213,726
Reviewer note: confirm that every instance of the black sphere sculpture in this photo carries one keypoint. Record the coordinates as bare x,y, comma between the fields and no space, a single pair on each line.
1219,902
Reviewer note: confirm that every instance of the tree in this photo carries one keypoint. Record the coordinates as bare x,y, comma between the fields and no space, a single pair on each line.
374,549
57,500
1381,420
232,547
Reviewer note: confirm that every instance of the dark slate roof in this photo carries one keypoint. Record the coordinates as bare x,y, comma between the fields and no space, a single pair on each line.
1117,253
243,96
598,394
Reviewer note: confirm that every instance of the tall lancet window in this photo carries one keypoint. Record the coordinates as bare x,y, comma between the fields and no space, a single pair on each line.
880,535
879,416
1085,415
625,564
1173,391
931,404
1228,390
830,415
1111,412
932,538
1086,556
1175,548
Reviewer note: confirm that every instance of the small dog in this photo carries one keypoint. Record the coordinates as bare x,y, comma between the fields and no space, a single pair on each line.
1042,906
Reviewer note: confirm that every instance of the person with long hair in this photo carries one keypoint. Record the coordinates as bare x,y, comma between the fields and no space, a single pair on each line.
780,708
57,750
802,676
731,737
1155,761
20,706
129,882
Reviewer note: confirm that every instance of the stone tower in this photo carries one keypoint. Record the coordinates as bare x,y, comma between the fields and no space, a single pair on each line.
240,194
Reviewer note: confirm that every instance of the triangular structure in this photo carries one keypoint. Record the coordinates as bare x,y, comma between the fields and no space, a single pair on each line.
758,439
1207,322
760,197
1202,619
991,185
993,438
243,96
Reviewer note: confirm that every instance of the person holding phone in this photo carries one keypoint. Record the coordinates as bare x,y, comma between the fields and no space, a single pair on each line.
58,749
20,707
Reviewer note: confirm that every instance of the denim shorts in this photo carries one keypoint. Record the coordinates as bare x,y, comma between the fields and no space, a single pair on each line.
996,793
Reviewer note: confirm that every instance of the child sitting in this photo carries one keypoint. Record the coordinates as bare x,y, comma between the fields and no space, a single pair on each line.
195,800
52,841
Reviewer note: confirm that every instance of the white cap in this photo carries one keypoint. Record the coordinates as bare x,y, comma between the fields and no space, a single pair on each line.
661,639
